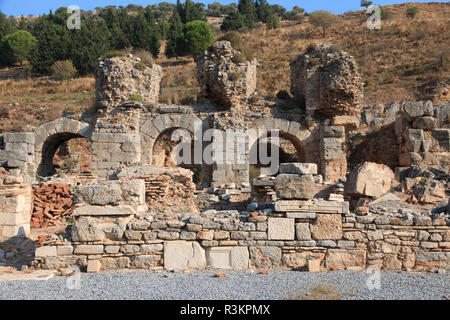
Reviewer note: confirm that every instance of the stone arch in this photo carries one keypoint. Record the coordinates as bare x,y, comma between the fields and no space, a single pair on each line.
153,128
51,135
292,131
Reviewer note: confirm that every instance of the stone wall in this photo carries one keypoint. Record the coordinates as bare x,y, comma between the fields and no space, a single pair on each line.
314,235
166,189
15,206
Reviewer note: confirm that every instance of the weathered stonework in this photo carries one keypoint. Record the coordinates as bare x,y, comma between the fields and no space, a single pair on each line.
328,81
223,80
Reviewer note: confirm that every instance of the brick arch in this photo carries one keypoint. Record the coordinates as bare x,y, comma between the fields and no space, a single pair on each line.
51,135
153,128
293,131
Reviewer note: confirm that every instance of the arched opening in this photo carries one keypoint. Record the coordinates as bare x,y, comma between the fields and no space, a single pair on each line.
291,149
163,153
65,153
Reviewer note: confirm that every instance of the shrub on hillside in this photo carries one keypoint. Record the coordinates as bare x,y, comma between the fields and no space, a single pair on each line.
63,70
412,12
323,19
247,53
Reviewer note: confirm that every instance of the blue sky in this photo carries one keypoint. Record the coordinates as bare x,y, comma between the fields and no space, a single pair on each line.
25,7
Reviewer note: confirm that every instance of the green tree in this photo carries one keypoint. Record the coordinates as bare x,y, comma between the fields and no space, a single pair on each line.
17,46
323,19
248,10
174,30
263,10
88,44
233,21
7,25
273,22
366,3
195,38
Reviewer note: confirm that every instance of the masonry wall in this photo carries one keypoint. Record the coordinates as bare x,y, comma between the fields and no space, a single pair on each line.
15,206
330,239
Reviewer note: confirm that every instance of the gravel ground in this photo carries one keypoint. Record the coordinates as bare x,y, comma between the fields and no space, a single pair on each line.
248,285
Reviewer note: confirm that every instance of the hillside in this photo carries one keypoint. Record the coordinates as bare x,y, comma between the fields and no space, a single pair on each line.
407,59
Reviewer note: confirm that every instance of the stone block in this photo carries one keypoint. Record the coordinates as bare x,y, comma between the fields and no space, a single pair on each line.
301,215
292,186
337,259
88,249
298,168
46,251
227,257
263,257
327,227
299,260
94,266
183,255
281,229
370,179
65,250
302,231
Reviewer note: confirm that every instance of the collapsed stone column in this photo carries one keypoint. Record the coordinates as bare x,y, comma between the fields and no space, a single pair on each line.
328,82
225,76
121,79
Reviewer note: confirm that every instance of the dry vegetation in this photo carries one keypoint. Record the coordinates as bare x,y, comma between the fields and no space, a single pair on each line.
405,59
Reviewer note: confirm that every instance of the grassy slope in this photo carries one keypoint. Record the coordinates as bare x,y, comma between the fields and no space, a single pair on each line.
405,59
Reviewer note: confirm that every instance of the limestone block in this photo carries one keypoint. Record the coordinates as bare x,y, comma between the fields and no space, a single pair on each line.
227,257
299,260
298,168
292,186
65,250
183,254
413,109
348,122
46,251
302,231
94,266
265,257
88,249
281,229
344,258
327,227
370,179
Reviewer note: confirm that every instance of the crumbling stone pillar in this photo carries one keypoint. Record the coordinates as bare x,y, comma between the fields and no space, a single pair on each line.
121,79
328,82
225,76
17,151
333,162
15,206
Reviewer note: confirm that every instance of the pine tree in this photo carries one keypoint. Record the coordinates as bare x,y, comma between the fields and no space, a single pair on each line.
175,29
248,10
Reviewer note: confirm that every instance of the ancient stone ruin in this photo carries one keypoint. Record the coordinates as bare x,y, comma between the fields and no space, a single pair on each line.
335,201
